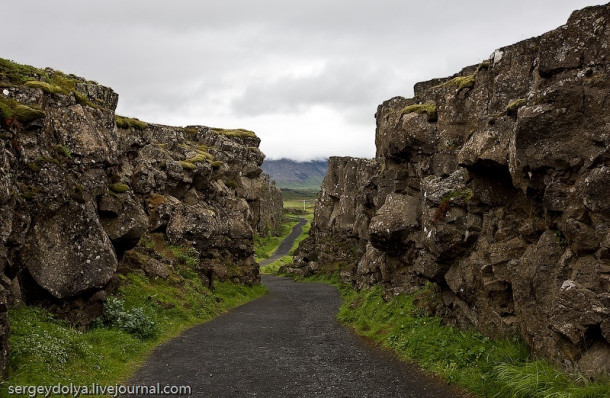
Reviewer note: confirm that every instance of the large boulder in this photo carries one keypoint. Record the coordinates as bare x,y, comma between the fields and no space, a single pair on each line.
68,252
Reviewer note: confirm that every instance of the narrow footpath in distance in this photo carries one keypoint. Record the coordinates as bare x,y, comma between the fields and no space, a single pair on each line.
284,247
284,344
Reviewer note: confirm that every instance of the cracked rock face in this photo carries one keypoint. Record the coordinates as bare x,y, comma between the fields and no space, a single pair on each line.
80,187
494,185
68,252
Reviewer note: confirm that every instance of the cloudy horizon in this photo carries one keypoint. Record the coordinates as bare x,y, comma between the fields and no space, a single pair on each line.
306,77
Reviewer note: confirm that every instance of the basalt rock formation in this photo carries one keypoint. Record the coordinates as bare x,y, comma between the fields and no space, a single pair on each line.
80,187
494,185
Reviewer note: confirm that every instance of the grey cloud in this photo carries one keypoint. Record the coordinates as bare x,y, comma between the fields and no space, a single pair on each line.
241,62
337,85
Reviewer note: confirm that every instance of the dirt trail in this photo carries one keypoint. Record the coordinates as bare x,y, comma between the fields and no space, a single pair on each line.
285,344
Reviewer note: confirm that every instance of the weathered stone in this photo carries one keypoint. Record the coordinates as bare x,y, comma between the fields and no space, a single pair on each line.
77,191
494,184
68,252
125,229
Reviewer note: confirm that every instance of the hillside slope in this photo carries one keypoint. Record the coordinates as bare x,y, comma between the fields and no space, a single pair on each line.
296,175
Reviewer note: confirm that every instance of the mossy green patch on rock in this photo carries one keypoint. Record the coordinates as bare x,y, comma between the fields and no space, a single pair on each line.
118,187
427,108
128,122
241,133
187,165
201,156
460,82
13,110
46,87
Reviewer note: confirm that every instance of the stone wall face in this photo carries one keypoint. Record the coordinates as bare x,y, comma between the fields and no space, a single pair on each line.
77,192
493,184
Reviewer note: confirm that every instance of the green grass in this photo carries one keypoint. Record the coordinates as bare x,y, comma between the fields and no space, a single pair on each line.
46,87
128,122
241,133
486,367
274,267
47,351
300,193
54,82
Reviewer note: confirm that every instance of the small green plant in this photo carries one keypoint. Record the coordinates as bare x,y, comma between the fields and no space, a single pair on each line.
127,123
66,151
118,187
513,107
134,321
427,108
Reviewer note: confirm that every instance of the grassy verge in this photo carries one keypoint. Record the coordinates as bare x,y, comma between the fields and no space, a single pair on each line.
486,367
144,314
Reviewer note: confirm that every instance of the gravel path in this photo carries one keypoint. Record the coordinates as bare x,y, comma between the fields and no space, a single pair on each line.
286,244
285,344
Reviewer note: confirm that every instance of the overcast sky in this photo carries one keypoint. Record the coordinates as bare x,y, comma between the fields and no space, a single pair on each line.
306,76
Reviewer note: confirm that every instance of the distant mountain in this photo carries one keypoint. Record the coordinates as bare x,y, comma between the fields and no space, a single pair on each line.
296,175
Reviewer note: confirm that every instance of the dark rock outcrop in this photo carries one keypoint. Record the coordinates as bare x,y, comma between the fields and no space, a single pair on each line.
80,187
492,184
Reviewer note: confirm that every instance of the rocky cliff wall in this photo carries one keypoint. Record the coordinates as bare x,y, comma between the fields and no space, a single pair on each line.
493,184
80,187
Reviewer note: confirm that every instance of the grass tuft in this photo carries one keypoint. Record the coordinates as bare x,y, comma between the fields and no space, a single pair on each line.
46,87
127,123
187,165
427,108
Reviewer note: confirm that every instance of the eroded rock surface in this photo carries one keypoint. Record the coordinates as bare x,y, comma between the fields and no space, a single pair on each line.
80,187
493,184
